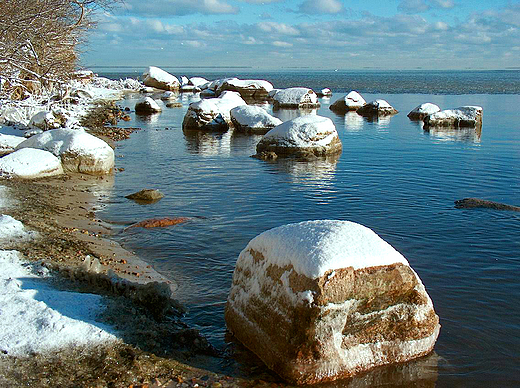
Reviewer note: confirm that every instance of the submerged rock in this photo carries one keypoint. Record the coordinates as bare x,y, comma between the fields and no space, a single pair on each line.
472,203
465,116
351,101
146,195
344,301
295,98
423,110
159,222
160,79
253,119
147,105
377,108
30,163
305,136
78,150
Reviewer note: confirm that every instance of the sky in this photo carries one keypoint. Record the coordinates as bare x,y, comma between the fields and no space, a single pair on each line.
315,34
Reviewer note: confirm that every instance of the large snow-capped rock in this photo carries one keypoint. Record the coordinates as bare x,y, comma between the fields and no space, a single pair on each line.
423,110
160,79
465,116
30,163
8,143
198,81
377,108
212,113
248,89
147,105
295,98
351,101
78,150
304,136
344,301
254,119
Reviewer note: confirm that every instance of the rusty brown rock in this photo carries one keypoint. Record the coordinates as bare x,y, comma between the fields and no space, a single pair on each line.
159,222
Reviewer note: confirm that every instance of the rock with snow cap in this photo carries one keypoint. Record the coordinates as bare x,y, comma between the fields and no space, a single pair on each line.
253,119
344,302
212,113
189,89
423,110
295,98
30,163
8,143
160,79
146,106
307,136
198,82
377,108
351,101
248,89
78,150
465,116
324,93
44,120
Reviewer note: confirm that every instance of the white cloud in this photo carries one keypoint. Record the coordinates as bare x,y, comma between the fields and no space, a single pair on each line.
413,6
163,8
443,3
278,43
279,28
313,7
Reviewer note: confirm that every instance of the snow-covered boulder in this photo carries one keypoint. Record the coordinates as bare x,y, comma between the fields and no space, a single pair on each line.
248,89
160,79
295,98
423,110
212,113
305,136
44,120
147,105
253,119
30,163
465,116
169,95
78,150
326,92
198,81
344,301
351,101
184,80
377,108
8,143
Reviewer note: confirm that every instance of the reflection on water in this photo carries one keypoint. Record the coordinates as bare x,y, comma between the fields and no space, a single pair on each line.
380,122
470,135
319,172
353,121
289,114
208,143
147,119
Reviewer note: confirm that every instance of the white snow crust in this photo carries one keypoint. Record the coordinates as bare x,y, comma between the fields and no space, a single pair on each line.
248,84
304,131
314,247
463,113
154,73
149,103
198,81
426,108
296,96
354,99
12,230
254,117
44,120
8,143
28,163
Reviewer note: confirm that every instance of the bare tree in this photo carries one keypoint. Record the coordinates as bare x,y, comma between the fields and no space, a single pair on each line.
39,40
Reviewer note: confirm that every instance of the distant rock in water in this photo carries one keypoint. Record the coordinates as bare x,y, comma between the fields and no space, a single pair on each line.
465,116
423,110
160,79
323,300
377,108
294,98
146,195
472,203
248,89
324,93
253,119
352,101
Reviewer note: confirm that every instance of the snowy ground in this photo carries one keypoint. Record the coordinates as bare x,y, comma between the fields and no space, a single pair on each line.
34,316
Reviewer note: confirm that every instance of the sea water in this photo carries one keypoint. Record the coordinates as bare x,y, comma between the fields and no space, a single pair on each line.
392,176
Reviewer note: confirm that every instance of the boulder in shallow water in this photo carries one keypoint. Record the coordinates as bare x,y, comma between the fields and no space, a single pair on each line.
294,98
249,89
423,110
324,93
78,150
465,116
30,163
253,119
352,101
342,299
377,108
147,106
146,195
160,79
304,137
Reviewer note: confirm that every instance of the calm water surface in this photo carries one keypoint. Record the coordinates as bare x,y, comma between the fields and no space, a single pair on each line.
392,176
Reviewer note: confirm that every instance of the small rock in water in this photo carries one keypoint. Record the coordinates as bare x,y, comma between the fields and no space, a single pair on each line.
146,195
472,203
159,222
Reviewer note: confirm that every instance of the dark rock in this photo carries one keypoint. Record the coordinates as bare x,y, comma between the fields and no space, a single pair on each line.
472,203
146,195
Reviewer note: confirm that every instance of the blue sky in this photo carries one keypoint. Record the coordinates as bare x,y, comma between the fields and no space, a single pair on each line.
319,34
